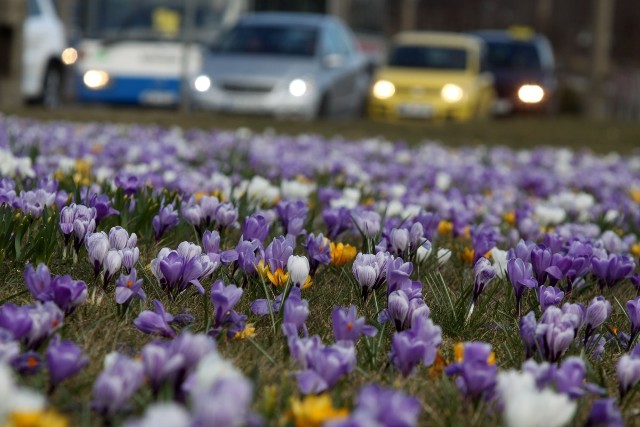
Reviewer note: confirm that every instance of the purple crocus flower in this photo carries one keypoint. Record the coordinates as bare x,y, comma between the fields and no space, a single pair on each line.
325,366
370,271
367,222
402,307
161,365
255,226
116,384
296,312
377,406
249,255
46,318
398,275
129,286
484,273
130,258
278,252
208,207
633,309
112,263
28,363
318,250
77,221
483,241
347,326
155,322
211,244
528,325
261,306
38,281
97,247
292,215
399,241
176,270
598,311
628,371
611,271
338,220
68,293
570,378
64,360
15,320
554,333
415,345
223,299
605,412
475,370
226,214
549,295
102,205
166,220
118,238
521,277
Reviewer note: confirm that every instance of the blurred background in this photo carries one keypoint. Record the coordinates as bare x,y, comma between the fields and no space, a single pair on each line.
51,51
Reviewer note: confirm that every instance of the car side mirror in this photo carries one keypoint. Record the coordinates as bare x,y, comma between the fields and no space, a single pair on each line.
332,60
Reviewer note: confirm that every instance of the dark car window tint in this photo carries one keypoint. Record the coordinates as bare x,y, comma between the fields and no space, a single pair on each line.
33,8
513,56
429,57
269,39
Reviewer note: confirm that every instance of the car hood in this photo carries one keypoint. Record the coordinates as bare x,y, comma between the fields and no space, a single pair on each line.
423,77
263,68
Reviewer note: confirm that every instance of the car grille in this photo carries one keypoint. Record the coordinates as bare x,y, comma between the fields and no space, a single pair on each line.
246,88
418,91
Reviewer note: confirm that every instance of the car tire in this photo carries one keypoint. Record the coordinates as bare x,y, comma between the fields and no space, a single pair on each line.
51,96
324,107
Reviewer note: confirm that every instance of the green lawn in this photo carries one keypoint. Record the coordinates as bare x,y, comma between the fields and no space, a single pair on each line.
515,132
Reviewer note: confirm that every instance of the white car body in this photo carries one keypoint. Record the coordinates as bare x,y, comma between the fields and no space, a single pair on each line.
43,42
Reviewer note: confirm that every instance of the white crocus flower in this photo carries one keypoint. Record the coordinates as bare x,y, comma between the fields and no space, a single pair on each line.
298,268
526,406
443,256
499,258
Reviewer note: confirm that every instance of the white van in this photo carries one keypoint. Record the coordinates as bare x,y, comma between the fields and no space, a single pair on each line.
44,41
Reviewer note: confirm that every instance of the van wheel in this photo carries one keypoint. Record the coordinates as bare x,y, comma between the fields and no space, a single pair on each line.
323,108
52,87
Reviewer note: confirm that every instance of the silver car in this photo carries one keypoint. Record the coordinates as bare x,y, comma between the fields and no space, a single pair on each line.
284,64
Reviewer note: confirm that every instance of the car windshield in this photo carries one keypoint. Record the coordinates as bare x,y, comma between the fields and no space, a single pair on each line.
513,56
118,20
269,40
441,58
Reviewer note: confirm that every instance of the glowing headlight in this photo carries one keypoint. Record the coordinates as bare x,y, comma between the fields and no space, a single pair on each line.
530,94
202,83
95,79
69,56
298,87
383,89
451,93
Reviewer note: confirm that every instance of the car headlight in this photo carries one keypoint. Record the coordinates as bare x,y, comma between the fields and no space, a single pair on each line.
530,94
95,79
383,89
451,93
298,87
69,56
202,83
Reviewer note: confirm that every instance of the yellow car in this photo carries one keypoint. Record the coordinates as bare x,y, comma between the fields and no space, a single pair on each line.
433,75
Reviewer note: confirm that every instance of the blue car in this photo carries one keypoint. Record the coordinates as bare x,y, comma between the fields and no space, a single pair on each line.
523,66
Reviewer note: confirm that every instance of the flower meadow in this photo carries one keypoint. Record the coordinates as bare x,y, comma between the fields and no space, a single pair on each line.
155,276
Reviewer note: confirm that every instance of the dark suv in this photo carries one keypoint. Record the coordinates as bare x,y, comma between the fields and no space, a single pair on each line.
524,70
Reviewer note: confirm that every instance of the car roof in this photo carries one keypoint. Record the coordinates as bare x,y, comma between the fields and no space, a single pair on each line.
440,38
289,18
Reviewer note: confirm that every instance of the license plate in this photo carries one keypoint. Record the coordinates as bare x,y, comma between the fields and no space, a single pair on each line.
158,97
421,111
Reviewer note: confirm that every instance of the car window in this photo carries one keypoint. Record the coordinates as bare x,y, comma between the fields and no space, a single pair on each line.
442,58
269,39
513,56
33,8
333,43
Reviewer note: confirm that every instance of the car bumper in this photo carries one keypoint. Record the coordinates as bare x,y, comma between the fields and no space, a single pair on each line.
132,90
273,104
423,109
